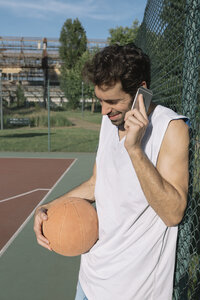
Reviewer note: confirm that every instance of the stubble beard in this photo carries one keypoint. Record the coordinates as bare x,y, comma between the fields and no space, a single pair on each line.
120,123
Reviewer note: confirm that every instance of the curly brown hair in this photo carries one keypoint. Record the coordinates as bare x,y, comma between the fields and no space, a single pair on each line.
127,64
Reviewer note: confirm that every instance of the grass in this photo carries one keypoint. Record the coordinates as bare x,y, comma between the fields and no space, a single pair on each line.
36,140
81,137
87,116
39,116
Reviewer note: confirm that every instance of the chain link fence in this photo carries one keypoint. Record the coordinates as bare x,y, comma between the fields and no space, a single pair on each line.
170,35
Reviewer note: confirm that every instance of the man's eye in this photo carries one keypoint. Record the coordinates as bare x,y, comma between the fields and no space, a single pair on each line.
112,102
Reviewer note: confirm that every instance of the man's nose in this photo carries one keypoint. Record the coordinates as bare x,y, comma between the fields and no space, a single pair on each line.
105,108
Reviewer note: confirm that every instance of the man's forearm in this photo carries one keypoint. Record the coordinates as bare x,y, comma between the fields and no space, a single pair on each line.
85,191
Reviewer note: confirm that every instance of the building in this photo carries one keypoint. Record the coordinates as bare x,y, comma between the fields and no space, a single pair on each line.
31,62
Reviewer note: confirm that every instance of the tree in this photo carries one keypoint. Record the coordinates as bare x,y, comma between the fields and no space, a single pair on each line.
71,82
71,86
123,35
73,42
88,87
171,49
21,99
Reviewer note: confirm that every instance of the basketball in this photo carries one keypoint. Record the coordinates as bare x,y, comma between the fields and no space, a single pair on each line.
71,227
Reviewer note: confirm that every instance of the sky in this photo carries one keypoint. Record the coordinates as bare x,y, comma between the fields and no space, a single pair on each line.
45,18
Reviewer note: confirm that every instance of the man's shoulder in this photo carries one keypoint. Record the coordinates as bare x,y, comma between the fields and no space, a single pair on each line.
162,111
176,141
164,114
177,129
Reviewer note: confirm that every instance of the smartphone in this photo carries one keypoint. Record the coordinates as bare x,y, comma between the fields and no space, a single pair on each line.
147,96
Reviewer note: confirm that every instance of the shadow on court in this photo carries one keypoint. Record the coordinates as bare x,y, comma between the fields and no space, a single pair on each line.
25,135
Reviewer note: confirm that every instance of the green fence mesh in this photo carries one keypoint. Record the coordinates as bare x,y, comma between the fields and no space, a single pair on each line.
170,34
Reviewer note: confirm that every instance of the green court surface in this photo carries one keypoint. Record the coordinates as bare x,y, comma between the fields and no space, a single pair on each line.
30,272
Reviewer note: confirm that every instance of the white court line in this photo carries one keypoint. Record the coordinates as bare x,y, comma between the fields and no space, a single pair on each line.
32,213
24,194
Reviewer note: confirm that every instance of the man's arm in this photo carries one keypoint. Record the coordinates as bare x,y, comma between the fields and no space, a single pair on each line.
85,191
165,186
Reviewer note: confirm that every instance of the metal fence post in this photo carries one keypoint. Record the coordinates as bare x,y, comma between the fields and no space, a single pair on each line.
82,90
1,100
49,124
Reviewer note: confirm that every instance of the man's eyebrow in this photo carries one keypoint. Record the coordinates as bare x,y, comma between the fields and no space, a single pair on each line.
118,99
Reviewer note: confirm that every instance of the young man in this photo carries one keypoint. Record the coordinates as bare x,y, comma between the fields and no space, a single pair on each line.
139,183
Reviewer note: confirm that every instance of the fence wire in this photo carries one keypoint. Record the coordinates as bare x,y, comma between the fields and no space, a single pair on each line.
170,34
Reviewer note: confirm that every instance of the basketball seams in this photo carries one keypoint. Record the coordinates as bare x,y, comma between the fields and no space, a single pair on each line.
50,212
61,226
80,225
93,215
70,224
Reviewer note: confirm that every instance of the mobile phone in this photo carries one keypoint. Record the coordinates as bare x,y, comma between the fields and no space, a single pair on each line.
147,96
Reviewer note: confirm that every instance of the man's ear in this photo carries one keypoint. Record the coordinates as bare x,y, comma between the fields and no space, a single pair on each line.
144,84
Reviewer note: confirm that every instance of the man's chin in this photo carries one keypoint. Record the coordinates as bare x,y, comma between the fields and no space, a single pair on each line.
118,123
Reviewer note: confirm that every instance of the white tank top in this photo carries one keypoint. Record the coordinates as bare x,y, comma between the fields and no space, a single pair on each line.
135,254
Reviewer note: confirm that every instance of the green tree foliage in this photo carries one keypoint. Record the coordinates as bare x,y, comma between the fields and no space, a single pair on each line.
171,51
21,99
162,39
173,20
123,35
88,87
71,82
73,42
71,85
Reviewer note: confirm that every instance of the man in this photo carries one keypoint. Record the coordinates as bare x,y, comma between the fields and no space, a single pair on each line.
139,183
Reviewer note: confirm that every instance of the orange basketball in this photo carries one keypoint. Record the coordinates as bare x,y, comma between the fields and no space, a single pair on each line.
71,227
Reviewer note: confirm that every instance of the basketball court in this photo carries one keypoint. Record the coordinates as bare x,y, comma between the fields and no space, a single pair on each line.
28,271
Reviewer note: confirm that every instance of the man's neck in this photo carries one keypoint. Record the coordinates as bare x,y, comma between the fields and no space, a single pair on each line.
121,131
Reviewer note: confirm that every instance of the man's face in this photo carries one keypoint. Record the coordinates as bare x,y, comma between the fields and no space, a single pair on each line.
114,101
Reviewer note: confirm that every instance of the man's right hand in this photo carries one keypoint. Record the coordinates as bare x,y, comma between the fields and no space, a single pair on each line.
40,217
